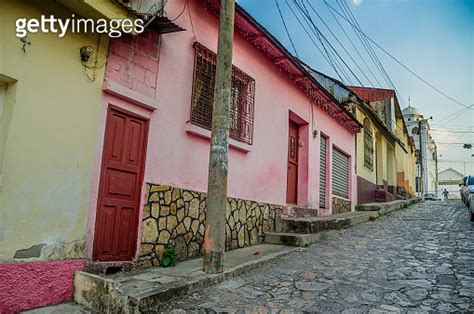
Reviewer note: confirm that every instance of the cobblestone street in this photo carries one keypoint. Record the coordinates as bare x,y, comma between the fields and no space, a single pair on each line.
417,260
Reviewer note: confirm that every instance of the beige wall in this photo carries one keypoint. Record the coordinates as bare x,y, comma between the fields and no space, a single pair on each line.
52,131
406,161
363,171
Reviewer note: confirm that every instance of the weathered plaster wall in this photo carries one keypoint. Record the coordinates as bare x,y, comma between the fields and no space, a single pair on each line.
178,158
174,216
51,137
34,284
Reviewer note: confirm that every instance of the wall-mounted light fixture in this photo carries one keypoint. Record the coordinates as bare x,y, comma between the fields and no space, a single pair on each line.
86,52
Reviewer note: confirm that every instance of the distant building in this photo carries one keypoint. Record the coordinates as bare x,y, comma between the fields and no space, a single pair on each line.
385,153
428,174
449,179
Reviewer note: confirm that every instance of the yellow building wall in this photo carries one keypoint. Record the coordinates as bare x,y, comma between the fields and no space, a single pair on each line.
391,165
363,171
405,161
49,148
381,156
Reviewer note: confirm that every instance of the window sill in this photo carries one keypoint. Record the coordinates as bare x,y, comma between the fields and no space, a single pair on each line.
198,131
369,169
341,197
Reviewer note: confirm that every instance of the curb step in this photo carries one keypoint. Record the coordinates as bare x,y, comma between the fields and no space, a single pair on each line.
304,231
293,239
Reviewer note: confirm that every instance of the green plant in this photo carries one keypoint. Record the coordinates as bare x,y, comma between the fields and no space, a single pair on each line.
405,205
372,218
169,257
359,208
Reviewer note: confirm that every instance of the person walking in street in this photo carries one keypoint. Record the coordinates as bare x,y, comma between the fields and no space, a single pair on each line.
445,195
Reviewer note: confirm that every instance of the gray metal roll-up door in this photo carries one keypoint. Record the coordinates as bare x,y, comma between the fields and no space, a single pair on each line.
340,173
322,173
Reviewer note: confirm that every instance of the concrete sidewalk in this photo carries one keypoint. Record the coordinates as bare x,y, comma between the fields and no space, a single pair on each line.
147,290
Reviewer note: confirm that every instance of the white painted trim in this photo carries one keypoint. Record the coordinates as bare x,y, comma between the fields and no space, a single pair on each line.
129,95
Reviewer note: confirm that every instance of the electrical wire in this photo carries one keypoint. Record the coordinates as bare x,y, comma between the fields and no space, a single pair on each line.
335,55
181,13
371,50
361,39
329,57
312,40
355,48
191,21
286,28
335,37
302,8
373,53
448,131
403,65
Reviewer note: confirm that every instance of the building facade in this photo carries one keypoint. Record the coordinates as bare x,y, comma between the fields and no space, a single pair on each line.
427,152
48,127
107,165
394,149
385,162
450,179
278,151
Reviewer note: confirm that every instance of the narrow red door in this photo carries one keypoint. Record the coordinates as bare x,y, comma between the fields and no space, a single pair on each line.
292,181
121,179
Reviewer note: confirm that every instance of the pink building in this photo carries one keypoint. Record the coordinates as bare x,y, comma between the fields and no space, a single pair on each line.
292,144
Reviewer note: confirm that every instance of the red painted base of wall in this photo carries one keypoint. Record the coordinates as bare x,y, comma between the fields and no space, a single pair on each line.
365,191
26,285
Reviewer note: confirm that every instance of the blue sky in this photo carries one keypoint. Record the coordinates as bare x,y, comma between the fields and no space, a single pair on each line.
435,38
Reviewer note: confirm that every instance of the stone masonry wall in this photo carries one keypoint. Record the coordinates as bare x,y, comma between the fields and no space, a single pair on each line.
174,216
340,205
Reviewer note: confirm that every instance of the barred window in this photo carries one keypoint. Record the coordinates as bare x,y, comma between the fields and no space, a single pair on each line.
368,145
242,102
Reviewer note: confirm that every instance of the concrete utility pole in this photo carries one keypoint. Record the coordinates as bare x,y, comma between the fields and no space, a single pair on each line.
214,237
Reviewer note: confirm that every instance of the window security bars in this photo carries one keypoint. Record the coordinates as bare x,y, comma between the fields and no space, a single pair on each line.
242,102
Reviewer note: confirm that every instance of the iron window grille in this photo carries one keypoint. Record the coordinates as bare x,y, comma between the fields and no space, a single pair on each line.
242,102
368,146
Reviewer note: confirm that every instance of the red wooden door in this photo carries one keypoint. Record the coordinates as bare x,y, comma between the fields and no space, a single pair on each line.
121,179
292,181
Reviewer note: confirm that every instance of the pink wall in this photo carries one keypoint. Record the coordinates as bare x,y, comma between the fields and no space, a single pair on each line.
181,159
25,285
178,157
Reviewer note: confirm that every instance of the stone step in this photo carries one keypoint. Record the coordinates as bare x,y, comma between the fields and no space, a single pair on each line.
296,239
387,207
293,211
311,225
148,290
293,239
